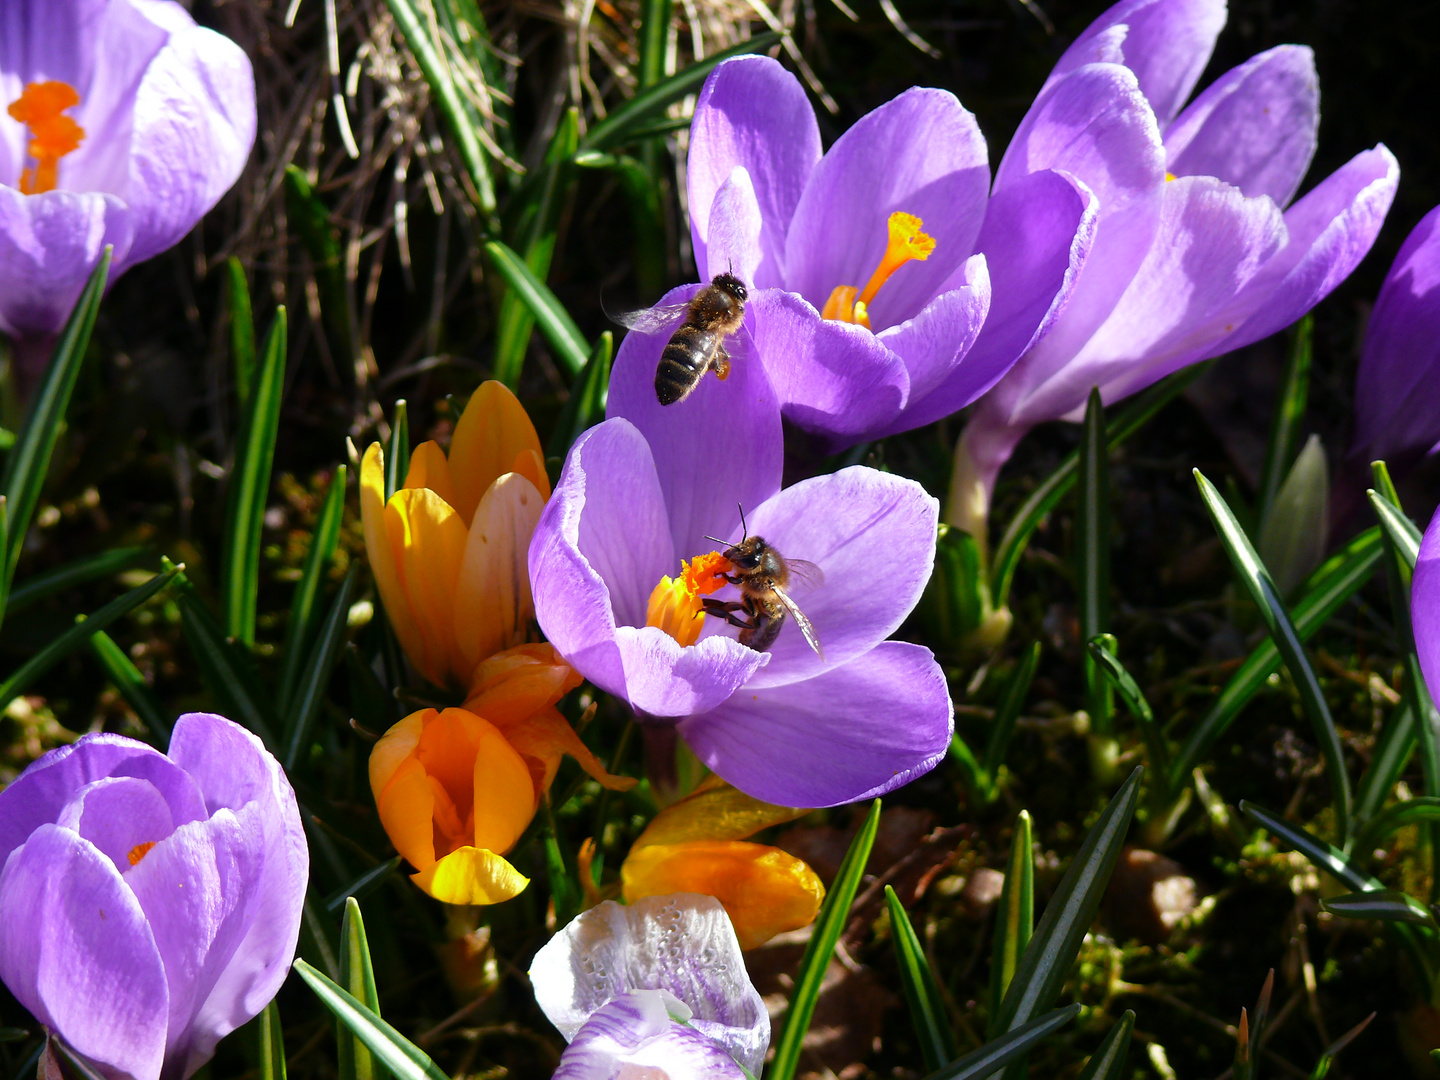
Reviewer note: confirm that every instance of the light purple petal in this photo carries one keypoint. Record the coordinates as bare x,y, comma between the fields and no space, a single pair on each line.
604,540
192,128
834,378
1255,127
872,534
683,943
1425,606
751,113
40,793
201,888
721,447
236,772
735,228
921,153
850,733
77,952
1167,44
118,814
49,245
1331,230
1396,415
633,1036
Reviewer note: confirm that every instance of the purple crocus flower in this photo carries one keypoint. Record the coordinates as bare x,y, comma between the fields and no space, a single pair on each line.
660,983
640,492
885,289
1397,413
150,904
166,119
1193,256
1425,605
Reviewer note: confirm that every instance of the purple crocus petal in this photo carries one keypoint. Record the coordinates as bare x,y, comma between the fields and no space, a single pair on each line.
78,953
872,535
735,228
935,345
921,153
1395,413
49,245
117,815
682,943
736,422
751,113
831,377
1425,606
1255,127
1037,235
40,794
1331,229
1211,244
600,548
198,889
193,124
850,733
236,772
1167,43
634,1036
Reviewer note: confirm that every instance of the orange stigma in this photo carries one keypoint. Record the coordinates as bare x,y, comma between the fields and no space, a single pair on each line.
139,851
906,242
675,605
52,135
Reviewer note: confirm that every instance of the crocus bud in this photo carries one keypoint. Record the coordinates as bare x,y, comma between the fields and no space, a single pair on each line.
150,903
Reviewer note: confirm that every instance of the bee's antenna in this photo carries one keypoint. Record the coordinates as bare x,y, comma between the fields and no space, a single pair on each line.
723,543
744,529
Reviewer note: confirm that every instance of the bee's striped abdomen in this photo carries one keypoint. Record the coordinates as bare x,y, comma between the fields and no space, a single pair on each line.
685,359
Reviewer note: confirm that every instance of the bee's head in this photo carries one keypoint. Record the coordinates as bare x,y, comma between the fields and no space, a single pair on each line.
731,284
748,554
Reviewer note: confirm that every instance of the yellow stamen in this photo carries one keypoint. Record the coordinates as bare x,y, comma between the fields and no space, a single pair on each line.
139,851
675,605
1169,176
907,242
52,135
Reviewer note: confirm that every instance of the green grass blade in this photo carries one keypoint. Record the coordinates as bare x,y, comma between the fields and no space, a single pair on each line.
1008,1048
1288,416
1410,812
1046,961
654,37
956,596
1014,917
1287,640
131,684
648,104
1130,693
397,1053
823,938
1007,713
250,487
1108,1061
927,1007
978,782
585,406
79,635
319,666
226,671
271,1043
565,891
90,568
1092,554
301,627
1333,583
1393,748
397,450
309,219
362,886
1386,905
357,976
29,458
242,328
1322,1066
1321,855
1057,485
550,315
1399,529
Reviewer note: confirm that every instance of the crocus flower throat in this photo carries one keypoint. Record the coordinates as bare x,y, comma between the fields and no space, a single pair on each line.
675,605
41,107
906,242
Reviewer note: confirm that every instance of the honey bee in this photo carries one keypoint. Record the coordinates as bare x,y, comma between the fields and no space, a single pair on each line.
764,579
698,343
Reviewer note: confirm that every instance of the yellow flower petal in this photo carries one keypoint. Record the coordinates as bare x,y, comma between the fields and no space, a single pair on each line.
529,464
471,876
493,606
427,542
407,811
492,430
428,469
715,811
382,557
765,891
505,795
394,747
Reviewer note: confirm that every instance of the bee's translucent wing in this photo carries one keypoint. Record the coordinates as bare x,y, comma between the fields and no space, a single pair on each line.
801,620
805,574
651,320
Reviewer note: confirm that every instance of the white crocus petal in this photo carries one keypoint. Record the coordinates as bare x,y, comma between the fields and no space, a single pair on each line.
642,1035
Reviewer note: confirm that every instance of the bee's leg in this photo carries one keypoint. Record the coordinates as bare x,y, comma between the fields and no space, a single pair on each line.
721,364
725,609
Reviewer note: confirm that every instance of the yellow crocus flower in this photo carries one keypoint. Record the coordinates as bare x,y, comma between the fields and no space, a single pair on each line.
697,845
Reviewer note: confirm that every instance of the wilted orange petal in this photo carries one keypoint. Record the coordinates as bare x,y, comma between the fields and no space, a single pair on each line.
493,428
382,556
493,607
505,795
765,891
428,469
545,736
715,811
407,811
471,876
509,686
428,539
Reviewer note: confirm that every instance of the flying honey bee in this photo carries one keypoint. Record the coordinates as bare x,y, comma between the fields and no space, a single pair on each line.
698,343
764,579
